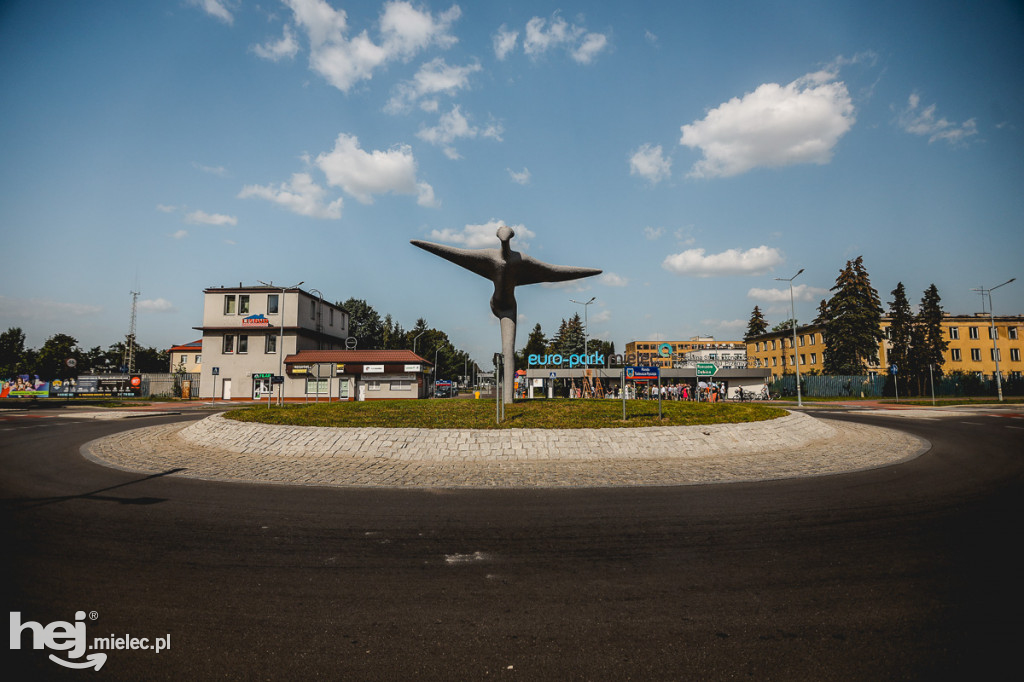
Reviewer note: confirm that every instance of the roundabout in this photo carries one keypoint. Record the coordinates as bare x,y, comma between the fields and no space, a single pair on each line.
221,449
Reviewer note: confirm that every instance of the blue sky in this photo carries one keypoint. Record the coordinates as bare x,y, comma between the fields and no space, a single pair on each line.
693,151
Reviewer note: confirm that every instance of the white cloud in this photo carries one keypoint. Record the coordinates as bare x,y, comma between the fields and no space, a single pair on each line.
285,48
652,233
215,8
924,122
483,235
755,261
299,195
543,35
364,174
15,309
453,126
504,41
613,280
650,163
204,218
219,171
520,178
164,208
180,234
773,126
434,77
157,305
345,60
593,44
801,292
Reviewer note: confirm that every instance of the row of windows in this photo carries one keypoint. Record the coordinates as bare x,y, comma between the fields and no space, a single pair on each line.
184,359
974,333
239,343
803,341
955,356
239,304
758,362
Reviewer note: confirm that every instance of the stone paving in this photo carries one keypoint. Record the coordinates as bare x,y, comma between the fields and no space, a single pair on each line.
221,449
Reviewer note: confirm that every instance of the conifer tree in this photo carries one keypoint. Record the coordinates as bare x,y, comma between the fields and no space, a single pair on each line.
901,336
757,325
852,330
931,347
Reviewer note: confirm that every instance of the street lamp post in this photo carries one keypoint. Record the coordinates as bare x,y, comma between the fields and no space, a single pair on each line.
796,353
280,337
586,325
993,333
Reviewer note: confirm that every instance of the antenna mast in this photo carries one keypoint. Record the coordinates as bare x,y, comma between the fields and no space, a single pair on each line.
129,348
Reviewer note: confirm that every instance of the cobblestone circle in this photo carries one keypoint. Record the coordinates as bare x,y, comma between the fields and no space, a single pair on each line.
221,449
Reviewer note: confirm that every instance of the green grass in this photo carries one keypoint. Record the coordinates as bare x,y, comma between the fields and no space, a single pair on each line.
528,414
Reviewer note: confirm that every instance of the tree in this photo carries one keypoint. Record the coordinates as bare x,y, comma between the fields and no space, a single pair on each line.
786,326
931,346
536,344
12,353
570,339
901,336
364,323
853,328
51,363
757,325
392,334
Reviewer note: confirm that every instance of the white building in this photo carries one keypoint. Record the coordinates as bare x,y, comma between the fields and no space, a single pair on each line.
248,332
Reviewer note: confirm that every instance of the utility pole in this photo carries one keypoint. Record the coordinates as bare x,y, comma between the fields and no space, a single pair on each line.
129,347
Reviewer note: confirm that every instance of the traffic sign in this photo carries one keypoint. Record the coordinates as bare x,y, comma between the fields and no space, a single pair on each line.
642,373
706,369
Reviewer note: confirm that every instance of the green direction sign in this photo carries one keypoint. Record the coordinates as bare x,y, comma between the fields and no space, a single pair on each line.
706,369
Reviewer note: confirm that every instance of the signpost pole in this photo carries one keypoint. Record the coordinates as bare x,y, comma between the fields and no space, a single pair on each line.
622,389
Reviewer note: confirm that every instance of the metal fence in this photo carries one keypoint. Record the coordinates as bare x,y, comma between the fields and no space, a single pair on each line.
828,386
170,385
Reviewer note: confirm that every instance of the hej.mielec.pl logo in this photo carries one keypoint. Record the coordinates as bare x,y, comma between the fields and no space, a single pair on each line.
71,638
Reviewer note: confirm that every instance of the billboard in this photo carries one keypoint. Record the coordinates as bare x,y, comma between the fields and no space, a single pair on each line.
99,386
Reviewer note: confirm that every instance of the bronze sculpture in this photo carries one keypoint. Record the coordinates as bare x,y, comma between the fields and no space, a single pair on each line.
507,269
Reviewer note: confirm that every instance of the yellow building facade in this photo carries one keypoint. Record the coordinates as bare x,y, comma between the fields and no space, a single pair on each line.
664,353
973,347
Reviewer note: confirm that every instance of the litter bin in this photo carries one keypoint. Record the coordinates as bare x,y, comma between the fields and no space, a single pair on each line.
476,395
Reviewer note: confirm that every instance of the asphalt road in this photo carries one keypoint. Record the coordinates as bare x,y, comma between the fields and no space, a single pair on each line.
906,572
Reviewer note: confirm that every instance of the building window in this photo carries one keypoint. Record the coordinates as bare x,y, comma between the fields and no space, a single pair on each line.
317,386
401,385
229,304
199,359
271,344
373,385
812,338
814,358
312,310
1011,333
773,344
976,354
775,361
272,304
972,332
954,333
954,354
1015,355
993,332
229,343
994,354
330,317
243,343
243,304
803,359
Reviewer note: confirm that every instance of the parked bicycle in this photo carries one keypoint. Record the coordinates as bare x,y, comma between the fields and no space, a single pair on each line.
742,395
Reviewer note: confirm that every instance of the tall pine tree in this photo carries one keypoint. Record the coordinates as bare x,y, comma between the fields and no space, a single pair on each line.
931,347
901,338
757,325
853,328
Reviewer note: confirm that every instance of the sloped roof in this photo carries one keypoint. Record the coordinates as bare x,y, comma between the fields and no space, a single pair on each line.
378,357
188,346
